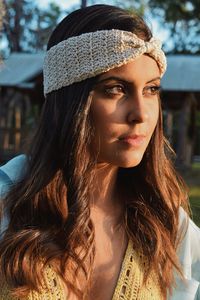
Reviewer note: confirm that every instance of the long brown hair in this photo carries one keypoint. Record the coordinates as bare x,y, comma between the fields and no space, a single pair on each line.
49,210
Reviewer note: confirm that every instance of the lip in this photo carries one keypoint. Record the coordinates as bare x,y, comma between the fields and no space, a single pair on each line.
135,140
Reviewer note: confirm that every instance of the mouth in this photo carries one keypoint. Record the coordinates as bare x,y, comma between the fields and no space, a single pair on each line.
133,140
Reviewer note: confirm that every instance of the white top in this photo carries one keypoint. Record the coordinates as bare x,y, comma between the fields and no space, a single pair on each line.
188,251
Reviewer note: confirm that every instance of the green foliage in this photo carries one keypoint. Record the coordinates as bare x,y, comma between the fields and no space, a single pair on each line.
198,118
192,178
27,27
181,18
197,140
2,13
137,6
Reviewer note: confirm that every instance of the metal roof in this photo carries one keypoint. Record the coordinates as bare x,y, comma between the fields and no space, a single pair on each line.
183,73
20,68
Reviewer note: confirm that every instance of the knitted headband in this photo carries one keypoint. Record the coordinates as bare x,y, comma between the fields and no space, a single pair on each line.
93,53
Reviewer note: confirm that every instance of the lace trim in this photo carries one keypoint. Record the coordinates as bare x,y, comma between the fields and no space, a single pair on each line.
52,287
129,285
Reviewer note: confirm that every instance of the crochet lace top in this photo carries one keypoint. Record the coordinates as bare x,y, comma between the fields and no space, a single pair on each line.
129,285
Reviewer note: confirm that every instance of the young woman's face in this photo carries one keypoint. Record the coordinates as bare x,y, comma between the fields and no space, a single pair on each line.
124,112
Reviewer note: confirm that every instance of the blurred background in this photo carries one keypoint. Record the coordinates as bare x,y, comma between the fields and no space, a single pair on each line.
25,27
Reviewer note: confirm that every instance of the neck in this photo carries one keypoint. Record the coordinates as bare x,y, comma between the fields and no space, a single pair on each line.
105,202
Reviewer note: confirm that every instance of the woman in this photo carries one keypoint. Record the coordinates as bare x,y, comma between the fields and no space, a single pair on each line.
99,211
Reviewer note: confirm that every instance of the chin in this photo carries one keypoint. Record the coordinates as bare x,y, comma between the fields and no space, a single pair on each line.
127,162
123,160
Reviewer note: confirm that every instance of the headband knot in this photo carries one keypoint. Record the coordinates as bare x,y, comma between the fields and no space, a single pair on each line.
149,46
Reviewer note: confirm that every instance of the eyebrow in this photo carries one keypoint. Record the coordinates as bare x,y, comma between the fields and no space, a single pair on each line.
124,80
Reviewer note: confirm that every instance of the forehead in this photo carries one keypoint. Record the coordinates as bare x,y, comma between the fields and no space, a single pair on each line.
143,68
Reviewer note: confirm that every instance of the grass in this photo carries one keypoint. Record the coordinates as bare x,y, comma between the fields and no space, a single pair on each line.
192,178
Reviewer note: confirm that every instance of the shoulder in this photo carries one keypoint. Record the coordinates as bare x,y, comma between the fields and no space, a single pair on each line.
190,243
12,172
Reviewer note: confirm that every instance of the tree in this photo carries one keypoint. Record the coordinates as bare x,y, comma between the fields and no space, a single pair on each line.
83,3
2,13
46,20
181,18
27,28
138,6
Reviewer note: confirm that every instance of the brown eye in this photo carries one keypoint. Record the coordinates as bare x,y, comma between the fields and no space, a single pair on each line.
115,90
151,90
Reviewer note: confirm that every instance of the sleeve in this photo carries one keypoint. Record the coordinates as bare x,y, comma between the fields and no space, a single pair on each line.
189,256
10,173
15,168
198,294
5,184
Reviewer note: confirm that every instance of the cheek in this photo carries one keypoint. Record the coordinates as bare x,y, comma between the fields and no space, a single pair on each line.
103,119
153,117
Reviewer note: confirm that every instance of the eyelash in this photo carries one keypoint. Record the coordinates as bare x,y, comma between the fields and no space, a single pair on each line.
109,90
154,90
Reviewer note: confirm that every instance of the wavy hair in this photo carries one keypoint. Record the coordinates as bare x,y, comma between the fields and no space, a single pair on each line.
49,210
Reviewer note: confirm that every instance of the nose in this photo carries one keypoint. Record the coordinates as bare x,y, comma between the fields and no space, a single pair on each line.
137,111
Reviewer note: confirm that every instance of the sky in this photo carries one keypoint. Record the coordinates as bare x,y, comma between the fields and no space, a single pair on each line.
65,4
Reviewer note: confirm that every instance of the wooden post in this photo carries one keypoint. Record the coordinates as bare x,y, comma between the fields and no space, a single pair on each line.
83,3
186,132
169,125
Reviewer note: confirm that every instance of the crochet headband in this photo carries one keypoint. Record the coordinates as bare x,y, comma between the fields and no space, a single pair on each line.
93,53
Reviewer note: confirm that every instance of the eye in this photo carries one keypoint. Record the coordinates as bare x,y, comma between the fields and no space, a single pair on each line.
151,90
115,90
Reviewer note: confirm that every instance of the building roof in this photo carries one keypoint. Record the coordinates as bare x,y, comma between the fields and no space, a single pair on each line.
20,68
183,71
